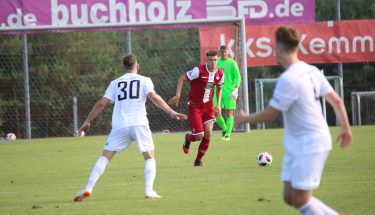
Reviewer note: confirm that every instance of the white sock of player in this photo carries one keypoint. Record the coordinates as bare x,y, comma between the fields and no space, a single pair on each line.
150,173
327,210
96,172
311,208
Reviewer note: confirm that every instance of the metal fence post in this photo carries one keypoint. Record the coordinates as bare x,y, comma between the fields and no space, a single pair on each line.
359,110
128,39
75,115
244,72
26,89
340,69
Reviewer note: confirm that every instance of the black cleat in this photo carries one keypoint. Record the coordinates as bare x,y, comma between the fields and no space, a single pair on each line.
223,132
186,145
199,163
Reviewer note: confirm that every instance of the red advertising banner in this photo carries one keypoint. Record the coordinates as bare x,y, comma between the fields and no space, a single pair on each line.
322,42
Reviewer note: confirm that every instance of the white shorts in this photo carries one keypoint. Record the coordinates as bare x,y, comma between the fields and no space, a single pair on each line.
304,171
120,139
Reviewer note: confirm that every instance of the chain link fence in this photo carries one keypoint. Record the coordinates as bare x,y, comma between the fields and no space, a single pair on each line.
82,64
67,65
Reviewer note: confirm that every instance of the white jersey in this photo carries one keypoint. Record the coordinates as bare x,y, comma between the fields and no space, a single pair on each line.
297,95
129,93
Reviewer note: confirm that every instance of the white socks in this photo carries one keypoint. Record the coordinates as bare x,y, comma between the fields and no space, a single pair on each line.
96,172
316,207
327,210
101,164
150,173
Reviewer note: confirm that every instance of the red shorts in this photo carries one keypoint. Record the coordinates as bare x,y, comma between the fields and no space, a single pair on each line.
200,114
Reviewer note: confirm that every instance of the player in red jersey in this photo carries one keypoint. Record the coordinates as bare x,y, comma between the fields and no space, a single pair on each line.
202,80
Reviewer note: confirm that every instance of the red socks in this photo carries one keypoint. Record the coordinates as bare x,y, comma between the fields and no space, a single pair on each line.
203,146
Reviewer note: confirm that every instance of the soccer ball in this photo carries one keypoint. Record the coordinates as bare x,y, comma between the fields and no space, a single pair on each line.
264,159
82,134
10,136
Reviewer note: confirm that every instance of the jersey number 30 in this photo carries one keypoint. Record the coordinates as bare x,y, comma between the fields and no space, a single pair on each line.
128,90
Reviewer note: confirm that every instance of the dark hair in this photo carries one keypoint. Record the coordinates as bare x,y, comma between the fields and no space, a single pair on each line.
211,53
288,38
223,47
129,61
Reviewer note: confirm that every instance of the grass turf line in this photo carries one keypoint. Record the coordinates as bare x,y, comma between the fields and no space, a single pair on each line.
41,176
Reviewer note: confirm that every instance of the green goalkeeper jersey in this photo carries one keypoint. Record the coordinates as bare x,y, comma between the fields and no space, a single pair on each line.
232,76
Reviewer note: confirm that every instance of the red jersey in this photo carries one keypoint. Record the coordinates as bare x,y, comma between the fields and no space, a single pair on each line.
202,83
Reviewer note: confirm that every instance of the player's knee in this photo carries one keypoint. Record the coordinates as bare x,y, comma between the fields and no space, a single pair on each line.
230,113
207,134
148,155
288,193
294,200
300,197
199,137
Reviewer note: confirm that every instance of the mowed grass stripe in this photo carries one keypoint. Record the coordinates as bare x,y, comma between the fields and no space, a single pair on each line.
41,176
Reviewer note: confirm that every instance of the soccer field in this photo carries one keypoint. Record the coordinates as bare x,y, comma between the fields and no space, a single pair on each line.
41,176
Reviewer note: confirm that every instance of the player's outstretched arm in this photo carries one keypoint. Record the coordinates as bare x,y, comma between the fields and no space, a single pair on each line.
345,135
175,100
95,111
268,114
160,103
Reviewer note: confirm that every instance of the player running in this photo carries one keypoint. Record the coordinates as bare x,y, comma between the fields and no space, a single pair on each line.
307,140
229,93
129,123
201,109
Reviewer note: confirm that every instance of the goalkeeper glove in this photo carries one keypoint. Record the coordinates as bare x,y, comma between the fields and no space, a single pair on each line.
234,93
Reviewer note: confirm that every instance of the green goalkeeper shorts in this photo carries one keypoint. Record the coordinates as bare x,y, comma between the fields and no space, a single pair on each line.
226,102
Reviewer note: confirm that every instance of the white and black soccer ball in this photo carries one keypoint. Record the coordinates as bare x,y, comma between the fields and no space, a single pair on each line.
77,135
264,159
10,136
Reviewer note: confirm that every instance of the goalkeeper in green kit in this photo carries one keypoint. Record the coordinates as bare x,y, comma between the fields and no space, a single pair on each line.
229,93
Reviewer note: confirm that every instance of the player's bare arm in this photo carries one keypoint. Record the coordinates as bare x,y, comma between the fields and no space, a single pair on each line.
95,111
218,93
176,99
160,103
267,115
345,134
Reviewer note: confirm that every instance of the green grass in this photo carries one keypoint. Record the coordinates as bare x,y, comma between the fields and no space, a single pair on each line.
46,173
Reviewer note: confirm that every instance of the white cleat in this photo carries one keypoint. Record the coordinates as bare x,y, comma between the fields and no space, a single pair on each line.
152,195
81,195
